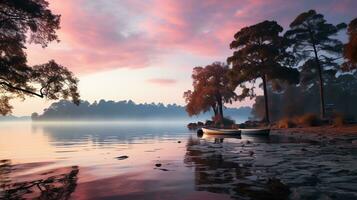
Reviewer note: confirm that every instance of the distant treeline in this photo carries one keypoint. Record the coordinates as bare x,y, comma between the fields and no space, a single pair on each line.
14,118
124,110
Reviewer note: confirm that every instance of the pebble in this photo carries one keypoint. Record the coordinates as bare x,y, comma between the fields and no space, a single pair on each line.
122,157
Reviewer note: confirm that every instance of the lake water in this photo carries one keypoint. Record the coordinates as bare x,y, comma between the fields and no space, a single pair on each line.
164,160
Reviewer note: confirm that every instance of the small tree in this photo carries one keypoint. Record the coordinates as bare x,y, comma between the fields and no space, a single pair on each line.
350,49
22,21
311,39
197,103
261,53
211,89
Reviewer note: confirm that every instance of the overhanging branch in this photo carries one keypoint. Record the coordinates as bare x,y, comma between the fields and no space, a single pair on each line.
22,90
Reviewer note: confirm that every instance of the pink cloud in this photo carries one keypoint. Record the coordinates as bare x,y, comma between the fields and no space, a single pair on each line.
162,81
101,35
93,40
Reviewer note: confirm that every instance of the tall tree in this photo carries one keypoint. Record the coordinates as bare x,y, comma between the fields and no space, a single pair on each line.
350,49
23,21
312,39
211,89
261,53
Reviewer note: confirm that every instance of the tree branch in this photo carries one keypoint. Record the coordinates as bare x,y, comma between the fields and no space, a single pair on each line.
22,90
330,59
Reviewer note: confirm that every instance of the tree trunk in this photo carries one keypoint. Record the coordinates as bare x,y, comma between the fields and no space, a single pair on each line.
220,105
266,99
319,70
221,110
214,108
321,84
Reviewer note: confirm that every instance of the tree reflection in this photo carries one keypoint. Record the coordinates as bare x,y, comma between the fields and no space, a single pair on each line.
216,173
55,187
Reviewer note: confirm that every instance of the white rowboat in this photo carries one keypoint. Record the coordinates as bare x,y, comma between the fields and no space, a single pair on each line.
217,131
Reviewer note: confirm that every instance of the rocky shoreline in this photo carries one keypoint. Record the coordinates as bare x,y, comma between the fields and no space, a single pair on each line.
331,134
312,162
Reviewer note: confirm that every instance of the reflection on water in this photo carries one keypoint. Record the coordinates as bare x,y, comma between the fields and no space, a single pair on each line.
91,144
274,167
102,133
52,185
166,161
215,173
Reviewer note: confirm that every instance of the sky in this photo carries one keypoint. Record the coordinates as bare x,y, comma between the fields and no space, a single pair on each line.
144,50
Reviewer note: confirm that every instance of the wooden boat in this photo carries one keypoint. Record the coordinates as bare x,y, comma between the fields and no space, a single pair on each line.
256,131
222,136
217,131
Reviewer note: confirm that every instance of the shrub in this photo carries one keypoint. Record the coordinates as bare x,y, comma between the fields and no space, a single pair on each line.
286,123
192,126
217,119
200,124
309,119
339,119
228,122
209,123
225,122
252,124
243,125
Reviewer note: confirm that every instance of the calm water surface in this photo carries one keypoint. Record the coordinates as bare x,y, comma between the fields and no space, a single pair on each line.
163,160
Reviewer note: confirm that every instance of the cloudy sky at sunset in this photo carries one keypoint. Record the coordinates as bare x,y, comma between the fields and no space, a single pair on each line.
145,50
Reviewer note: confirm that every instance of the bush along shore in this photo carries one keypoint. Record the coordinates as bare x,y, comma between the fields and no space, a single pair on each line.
310,122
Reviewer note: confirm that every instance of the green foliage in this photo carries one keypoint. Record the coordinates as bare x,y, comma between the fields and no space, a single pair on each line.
312,42
310,29
261,52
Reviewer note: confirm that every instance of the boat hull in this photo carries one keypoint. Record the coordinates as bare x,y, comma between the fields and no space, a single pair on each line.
214,131
263,132
222,136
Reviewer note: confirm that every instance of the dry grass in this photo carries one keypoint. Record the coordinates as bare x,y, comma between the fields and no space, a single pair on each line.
306,120
309,119
286,123
338,120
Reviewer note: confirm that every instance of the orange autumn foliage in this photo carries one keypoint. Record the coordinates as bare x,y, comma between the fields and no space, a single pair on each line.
211,89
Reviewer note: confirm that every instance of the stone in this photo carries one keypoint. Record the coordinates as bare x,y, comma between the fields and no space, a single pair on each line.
122,157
